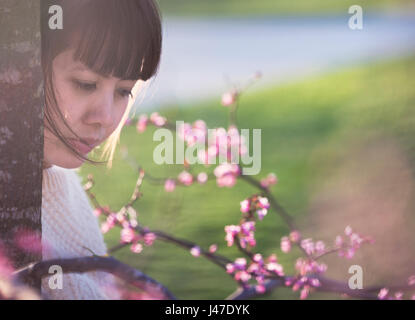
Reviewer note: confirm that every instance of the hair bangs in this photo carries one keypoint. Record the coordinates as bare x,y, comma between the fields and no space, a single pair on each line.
123,42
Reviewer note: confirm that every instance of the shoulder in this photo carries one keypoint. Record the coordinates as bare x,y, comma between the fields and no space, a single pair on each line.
68,220
60,182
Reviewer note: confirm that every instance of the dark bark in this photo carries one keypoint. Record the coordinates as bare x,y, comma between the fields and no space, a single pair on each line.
130,275
21,132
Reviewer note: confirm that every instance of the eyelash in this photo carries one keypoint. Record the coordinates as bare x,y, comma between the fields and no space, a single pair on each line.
92,86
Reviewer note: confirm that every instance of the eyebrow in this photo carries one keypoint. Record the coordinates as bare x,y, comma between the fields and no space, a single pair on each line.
80,67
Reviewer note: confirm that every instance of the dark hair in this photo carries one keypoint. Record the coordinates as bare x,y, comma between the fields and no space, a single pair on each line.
122,38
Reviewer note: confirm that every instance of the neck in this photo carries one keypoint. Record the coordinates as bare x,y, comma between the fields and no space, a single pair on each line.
45,165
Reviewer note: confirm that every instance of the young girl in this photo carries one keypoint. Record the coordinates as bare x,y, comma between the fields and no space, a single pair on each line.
93,69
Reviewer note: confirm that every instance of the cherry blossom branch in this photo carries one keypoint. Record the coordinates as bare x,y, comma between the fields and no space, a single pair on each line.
215,258
273,201
309,270
130,275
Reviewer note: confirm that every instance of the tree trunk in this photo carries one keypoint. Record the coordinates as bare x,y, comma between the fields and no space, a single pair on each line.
21,132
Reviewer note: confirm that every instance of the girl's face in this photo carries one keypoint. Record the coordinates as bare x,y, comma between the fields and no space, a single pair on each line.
92,105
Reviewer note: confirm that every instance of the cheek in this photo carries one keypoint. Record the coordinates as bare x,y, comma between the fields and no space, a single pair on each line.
121,109
70,104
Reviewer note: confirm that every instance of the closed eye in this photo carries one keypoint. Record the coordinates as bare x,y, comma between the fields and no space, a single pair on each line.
85,86
126,93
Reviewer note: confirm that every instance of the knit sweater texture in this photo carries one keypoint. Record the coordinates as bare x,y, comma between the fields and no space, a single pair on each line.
69,226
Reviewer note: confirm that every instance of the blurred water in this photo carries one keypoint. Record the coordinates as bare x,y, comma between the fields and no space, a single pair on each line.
199,55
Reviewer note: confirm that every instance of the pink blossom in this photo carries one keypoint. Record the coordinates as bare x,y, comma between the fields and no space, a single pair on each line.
356,240
296,286
97,212
190,140
253,268
289,281
398,295
247,227
121,217
227,180
231,232
383,293
235,142
260,278
272,258
261,213
193,134
184,130
170,185
212,151
226,174
233,229
263,202
199,131
276,268
270,180
242,276
230,268
245,206
240,263
157,120
306,266
137,247
105,227
243,149
304,292
200,124
285,244
127,235
295,236
249,239
260,288
308,246
213,248
229,98
320,247
411,280
315,282
202,177
258,258
348,231
133,222
185,178
339,241
195,251
142,123
321,268
111,220
149,238
350,253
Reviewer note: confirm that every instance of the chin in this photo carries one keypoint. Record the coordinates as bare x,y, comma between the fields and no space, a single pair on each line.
70,162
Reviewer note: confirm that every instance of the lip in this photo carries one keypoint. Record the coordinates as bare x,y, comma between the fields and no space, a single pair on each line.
90,142
81,146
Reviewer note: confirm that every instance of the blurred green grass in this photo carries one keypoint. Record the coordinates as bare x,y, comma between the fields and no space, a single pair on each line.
268,7
303,126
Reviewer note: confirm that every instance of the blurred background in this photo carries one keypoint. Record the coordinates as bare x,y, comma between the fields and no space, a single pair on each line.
337,111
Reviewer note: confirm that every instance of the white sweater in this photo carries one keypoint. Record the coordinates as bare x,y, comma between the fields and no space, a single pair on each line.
68,225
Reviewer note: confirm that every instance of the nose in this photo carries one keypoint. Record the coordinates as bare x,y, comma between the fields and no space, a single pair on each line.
101,112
